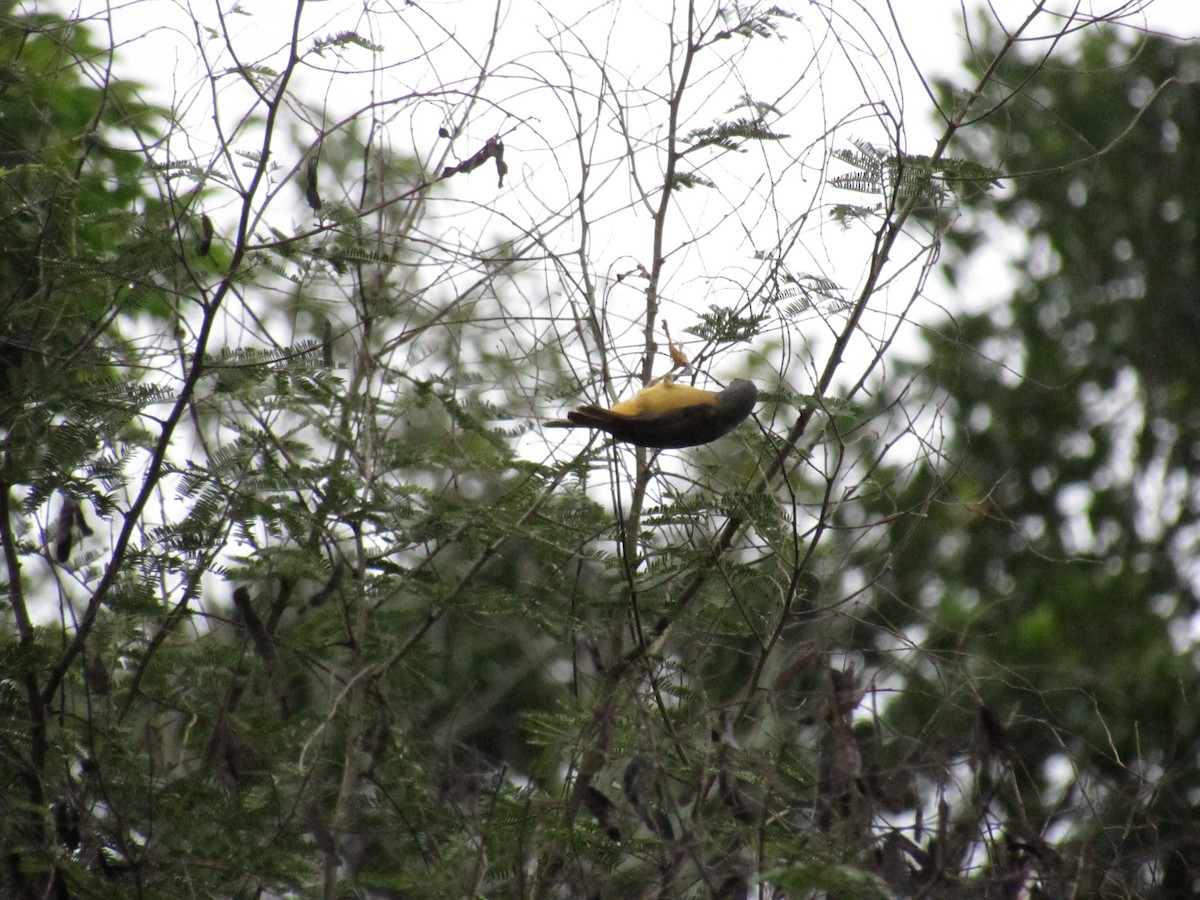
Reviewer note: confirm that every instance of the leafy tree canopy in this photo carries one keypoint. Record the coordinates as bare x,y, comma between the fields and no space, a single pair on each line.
1051,582
302,599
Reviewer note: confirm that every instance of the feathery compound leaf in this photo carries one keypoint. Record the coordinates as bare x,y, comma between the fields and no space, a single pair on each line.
808,292
343,39
761,109
343,258
846,214
688,180
725,326
918,178
305,353
731,135
749,24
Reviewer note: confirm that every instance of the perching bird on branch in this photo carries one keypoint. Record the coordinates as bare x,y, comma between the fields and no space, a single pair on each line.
668,415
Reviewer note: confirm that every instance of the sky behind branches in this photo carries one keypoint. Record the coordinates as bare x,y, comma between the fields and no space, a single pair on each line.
533,73
839,75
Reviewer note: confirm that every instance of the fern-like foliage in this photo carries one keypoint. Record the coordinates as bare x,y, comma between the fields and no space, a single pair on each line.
724,325
759,108
344,39
806,292
748,23
731,135
846,214
907,178
689,180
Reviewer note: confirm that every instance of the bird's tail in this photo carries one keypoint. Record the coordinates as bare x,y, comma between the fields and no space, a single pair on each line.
585,417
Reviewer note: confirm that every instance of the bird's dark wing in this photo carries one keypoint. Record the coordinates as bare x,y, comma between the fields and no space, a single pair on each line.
686,426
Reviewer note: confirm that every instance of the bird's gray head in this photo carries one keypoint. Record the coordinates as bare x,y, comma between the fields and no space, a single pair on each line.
737,400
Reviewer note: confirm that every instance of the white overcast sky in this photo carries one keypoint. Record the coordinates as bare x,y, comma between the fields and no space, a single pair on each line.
874,63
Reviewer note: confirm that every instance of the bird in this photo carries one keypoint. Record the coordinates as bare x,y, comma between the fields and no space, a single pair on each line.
667,416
